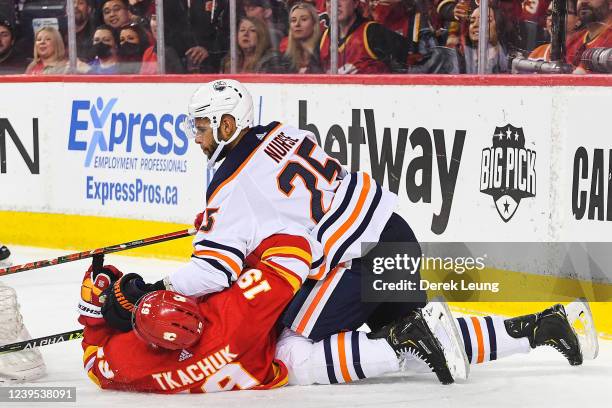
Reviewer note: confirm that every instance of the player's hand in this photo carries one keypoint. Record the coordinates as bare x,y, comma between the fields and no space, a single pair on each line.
121,298
199,219
92,297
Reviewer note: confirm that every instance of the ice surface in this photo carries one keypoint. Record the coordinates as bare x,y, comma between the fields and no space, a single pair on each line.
543,378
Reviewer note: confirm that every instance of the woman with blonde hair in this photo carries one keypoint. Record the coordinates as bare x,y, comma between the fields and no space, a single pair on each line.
49,53
255,52
303,41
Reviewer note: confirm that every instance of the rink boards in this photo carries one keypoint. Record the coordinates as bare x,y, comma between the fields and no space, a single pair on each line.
88,164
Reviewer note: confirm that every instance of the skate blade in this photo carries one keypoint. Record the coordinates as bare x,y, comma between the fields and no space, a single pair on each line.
436,312
581,319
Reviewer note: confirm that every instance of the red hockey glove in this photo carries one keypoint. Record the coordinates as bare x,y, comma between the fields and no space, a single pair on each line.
92,299
197,223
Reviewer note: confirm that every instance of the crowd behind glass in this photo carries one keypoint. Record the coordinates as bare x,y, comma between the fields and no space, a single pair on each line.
292,36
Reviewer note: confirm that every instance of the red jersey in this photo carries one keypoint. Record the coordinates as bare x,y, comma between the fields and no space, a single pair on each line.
354,55
579,42
236,350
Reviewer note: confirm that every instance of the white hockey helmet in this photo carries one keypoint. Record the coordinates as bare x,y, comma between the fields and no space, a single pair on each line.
215,99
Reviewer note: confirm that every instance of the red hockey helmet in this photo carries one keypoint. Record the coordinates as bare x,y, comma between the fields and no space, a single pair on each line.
167,319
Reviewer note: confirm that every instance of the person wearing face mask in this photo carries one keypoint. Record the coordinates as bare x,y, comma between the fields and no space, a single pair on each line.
104,59
133,42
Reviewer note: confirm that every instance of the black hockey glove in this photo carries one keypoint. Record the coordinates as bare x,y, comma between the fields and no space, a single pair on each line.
121,298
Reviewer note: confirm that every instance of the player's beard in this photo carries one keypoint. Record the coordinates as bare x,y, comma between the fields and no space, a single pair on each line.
588,14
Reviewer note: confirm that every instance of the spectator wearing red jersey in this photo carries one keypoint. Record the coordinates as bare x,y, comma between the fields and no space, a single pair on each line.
303,42
364,47
596,17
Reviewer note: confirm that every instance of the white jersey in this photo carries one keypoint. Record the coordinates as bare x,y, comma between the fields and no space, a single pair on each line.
277,180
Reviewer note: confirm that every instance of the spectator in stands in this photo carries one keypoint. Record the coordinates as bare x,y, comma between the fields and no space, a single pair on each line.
408,18
84,27
11,60
255,54
497,59
365,47
104,51
49,53
115,13
273,14
596,18
303,42
542,52
178,31
133,41
149,58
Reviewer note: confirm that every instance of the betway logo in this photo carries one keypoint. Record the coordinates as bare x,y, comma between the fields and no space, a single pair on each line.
100,127
428,144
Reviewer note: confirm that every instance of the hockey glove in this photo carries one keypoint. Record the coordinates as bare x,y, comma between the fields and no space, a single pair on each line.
197,223
92,298
121,298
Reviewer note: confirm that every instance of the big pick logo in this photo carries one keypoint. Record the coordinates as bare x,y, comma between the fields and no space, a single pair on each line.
507,171
115,131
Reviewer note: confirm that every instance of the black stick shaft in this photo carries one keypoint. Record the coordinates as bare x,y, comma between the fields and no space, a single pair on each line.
42,341
100,251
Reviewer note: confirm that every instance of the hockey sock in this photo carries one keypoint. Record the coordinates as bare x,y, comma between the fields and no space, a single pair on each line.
343,357
486,339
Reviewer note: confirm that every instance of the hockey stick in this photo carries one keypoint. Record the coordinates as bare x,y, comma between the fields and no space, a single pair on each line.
100,251
42,341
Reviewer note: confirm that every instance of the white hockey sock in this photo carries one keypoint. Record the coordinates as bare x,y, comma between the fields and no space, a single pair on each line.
486,339
343,357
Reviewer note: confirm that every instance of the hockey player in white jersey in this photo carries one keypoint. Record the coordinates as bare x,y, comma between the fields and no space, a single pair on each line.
276,179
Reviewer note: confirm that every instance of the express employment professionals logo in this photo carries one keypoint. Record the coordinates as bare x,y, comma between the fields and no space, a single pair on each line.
115,138
507,171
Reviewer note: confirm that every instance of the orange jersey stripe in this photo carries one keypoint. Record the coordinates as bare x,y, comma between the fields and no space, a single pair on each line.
342,355
362,196
319,274
239,169
478,331
232,264
316,300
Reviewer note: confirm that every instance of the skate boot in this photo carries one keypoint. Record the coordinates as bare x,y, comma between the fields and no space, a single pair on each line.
411,336
5,260
548,328
17,366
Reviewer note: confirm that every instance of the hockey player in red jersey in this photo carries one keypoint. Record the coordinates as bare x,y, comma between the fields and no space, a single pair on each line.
221,342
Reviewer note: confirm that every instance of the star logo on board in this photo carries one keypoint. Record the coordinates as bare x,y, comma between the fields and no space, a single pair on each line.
507,171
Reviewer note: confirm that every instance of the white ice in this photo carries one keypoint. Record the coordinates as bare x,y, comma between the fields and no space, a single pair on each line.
543,378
